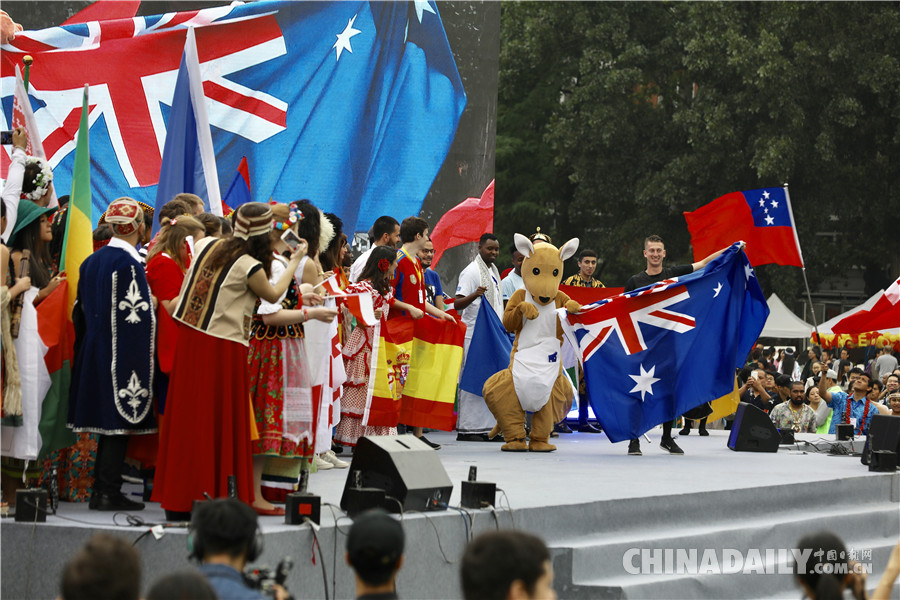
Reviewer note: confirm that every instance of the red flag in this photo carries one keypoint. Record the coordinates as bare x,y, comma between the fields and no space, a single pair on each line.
463,223
884,314
586,295
761,218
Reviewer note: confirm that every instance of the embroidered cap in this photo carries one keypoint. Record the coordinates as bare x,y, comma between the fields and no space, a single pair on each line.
245,227
148,210
125,216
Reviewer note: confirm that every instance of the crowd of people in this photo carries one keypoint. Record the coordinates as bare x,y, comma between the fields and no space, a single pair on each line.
211,357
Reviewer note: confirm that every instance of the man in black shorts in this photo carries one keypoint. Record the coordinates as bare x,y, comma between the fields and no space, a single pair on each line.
655,253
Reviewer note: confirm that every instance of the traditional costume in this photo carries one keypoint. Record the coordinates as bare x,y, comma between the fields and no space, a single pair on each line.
114,361
207,434
357,354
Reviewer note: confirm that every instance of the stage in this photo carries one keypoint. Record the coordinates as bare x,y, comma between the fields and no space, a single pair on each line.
609,520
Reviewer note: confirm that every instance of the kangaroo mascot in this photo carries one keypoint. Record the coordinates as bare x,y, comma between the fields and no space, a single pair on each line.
535,380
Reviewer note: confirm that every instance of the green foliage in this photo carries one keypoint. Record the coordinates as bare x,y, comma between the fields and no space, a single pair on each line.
614,118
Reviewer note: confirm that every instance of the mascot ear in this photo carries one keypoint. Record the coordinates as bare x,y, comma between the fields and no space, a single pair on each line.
524,245
568,249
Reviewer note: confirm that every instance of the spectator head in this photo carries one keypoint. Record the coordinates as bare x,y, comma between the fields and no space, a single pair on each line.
224,529
812,396
814,353
386,232
379,269
36,181
587,263
825,573
507,564
375,550
193,201
172,238
796,392
894,400
845,354
654,251
331,255
183,585
830,377
488,248
538,236
769,383
106,568
211,224
426,254
893,383
413,229
309,226
227,230
875,389
172,209
517,259
816,367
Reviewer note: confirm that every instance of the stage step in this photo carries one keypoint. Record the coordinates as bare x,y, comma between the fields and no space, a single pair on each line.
863,511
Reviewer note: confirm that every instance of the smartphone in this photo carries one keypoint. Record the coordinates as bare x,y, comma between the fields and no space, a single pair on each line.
292,239
754,375
6,138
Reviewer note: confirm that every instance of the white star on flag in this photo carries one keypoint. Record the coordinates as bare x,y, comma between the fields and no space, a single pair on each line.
422,6
748,272
717,290
343,38
774,203
769,219
762,202
644,382
766,195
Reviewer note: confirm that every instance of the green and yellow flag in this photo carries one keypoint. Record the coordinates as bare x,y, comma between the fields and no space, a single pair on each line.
78,241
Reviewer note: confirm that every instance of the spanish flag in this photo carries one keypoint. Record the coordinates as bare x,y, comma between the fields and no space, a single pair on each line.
389,365
430,388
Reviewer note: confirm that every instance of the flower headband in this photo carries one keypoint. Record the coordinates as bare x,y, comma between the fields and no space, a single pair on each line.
295,215
41,180
384,265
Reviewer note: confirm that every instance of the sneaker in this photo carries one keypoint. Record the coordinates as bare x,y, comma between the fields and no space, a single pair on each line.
634,448
334,460
433,446
322,464
670,446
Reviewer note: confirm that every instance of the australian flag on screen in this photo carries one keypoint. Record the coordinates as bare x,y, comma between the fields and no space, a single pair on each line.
352,105
652,354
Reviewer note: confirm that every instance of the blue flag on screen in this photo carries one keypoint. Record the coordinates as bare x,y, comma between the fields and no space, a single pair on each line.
353,105
652,354
488,352
188,160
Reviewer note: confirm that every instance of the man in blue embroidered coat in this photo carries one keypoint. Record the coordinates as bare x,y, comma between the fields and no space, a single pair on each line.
115,332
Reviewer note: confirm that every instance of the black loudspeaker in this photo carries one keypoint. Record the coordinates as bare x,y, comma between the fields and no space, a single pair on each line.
753,431
31,505
883,436
408,470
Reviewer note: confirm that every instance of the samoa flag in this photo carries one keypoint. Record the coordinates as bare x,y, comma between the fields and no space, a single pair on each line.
352,105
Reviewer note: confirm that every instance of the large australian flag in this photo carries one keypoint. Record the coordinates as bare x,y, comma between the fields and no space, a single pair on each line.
352,104
654,353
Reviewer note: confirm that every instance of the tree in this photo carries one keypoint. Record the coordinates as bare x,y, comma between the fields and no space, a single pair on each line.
652,109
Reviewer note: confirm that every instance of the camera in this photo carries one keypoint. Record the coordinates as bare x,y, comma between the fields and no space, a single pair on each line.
265,579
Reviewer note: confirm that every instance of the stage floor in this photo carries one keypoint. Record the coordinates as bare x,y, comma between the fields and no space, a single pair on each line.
711,497
585,468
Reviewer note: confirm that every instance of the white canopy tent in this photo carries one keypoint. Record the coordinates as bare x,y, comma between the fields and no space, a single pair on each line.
782,323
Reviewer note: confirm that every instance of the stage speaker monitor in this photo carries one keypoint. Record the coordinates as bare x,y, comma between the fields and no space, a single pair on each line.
753,431
883,436
408,470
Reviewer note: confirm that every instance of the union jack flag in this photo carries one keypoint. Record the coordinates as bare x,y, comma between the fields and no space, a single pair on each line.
356,125
680,341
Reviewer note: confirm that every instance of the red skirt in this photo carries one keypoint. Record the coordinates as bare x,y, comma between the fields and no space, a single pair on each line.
207,432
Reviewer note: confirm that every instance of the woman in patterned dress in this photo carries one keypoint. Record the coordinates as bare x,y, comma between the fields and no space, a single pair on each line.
279,382
375,280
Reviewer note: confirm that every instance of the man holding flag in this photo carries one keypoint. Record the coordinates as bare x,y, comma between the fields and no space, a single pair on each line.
655,253
479,282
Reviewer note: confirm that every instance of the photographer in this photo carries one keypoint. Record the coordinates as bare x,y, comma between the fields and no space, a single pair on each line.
224,537
375,552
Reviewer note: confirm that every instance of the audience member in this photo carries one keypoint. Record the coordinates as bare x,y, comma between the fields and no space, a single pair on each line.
182,585
587,264
856,409
795,414
892,385
385,232
513,281
375,553
507,565
822,410
479,281
827,572
434,290
195,203
224,537
106,568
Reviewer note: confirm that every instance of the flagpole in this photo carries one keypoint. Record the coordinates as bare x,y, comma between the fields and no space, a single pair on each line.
27,60
812,309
